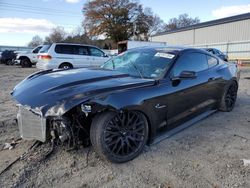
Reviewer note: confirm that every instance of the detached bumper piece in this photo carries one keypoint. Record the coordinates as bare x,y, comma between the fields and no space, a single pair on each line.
32,125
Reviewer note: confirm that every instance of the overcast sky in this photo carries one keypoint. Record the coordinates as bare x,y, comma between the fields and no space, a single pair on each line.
20,20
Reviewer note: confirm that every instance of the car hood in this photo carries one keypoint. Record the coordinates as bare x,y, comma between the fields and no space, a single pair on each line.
45,89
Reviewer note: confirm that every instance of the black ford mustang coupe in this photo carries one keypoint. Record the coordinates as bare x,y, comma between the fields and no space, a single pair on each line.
128,102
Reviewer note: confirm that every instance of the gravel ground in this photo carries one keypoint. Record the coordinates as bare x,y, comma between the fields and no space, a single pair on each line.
208,154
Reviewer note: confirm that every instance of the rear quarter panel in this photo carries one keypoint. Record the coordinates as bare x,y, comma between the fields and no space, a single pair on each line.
226,72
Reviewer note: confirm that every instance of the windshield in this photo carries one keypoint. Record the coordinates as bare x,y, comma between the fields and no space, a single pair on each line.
141,63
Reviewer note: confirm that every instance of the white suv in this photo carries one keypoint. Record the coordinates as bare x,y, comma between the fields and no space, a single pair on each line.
64,55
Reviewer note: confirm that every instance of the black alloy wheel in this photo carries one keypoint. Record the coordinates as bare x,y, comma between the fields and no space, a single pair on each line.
229,98
120,136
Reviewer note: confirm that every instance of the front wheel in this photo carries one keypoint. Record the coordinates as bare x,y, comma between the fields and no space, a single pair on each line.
229,98
119,137
25,62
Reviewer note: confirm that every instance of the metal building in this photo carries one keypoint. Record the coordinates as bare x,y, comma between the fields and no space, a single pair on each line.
231,35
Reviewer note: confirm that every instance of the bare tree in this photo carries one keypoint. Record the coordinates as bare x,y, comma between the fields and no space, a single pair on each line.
78,38
148,23
182,21
35,41
57,35
157,25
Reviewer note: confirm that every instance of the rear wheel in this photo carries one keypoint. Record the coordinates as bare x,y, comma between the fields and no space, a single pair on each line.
119,137
66,66
25,62
229,98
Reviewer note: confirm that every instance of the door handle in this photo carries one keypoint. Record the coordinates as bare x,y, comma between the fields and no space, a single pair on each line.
159,106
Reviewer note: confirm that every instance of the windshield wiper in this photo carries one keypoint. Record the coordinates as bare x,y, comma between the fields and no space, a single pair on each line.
113,63
136,68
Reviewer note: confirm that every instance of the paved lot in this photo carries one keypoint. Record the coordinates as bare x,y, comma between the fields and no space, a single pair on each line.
208,154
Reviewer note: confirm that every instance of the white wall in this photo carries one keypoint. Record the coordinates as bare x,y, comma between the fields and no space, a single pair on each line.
231,38
228,32
179,38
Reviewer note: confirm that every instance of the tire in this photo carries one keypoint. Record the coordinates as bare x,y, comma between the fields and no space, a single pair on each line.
25,62
229,98
9,62
65,66
119,137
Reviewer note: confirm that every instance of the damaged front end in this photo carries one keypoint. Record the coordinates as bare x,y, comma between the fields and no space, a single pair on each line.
59,105
71,129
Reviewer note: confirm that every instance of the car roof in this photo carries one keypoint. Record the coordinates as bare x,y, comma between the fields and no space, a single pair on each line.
75,44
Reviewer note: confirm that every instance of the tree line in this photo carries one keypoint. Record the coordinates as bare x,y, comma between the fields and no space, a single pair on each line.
115,20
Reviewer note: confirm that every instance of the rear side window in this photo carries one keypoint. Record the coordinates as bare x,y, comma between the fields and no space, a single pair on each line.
211,61
81,50
64,49
210,50
218,52
45,48
96,52
190,62
71,49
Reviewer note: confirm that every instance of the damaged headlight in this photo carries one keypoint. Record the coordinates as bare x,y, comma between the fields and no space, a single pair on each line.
86,109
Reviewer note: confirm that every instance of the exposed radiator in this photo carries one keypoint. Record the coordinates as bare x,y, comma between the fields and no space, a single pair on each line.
32,126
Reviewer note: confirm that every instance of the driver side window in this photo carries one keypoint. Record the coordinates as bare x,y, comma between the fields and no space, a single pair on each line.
190,62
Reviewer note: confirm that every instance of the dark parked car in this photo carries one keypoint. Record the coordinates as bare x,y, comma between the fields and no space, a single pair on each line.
217,53
8,57
128,102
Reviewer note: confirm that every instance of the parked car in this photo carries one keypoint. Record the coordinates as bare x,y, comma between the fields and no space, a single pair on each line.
217,53
122,46
28,58
63,55
128,102
8,57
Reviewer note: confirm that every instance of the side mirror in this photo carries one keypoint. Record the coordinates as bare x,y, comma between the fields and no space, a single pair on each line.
185,75
105,55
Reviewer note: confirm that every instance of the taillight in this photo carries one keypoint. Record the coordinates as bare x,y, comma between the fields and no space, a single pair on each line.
45,57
